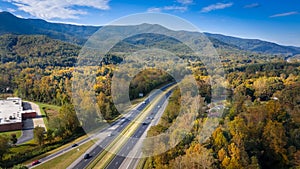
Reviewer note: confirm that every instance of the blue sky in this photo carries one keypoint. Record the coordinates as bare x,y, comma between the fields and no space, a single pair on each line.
275,21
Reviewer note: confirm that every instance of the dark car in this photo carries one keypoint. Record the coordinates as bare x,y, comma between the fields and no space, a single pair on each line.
74,145
35,162
86,156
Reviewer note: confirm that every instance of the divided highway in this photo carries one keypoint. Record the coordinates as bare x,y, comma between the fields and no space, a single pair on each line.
130,144
109,136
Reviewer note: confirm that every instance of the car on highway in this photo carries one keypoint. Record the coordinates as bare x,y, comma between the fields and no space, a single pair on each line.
150,118
86,156
74,145
145,123
35,162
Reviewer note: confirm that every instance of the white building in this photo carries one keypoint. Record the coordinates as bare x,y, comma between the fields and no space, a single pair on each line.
12,114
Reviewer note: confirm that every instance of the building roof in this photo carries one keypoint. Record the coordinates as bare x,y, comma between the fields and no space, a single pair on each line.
11,110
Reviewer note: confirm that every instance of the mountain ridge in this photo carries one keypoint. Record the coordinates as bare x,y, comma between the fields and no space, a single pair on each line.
256,45
79,34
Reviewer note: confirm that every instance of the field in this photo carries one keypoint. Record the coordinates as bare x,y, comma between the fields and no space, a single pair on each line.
48,111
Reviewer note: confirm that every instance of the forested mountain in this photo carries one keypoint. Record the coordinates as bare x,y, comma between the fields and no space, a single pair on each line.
36,50
10,24
256,45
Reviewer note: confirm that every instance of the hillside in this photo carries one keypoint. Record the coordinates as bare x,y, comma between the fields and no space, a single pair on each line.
36,50
10,24
256,45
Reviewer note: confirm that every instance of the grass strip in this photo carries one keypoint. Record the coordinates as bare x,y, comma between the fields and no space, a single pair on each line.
64,160
43,106
8,133
141,163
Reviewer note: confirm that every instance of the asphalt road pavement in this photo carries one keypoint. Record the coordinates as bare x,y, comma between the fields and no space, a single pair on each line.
129,145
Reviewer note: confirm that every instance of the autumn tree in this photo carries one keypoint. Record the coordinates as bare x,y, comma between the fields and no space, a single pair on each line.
265,87
196,157
219,139
275,140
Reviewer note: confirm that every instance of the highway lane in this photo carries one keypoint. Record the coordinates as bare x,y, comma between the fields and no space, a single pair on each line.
97,149
136,153
100,146
67,149
129,145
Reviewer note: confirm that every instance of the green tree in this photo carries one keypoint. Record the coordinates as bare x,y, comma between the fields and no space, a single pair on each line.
13,138
68,115
4,145
50,135
20,166
38,133
254,163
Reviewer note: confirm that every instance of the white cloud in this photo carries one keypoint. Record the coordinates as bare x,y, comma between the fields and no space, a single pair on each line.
175,8
284,14
254,5
216,7
61,9
11,10
154,9
168,8
185,2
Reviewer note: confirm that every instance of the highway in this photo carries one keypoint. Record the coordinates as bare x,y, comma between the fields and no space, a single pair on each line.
131,143
112,132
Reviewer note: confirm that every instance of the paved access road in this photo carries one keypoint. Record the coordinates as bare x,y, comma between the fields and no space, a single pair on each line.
30,124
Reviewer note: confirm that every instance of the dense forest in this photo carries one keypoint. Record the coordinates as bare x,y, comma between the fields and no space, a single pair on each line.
258,129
